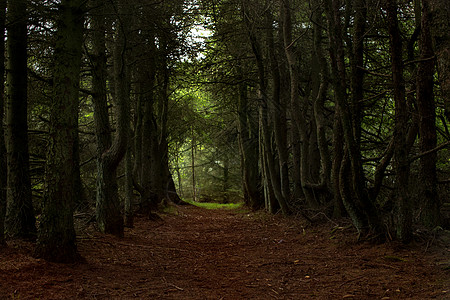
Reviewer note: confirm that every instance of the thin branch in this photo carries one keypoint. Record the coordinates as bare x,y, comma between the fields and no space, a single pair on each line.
444,145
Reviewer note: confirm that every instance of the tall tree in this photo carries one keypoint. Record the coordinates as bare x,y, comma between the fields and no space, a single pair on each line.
427,123
248,139
147,79
20,219
353,190
440,24
403,200
298,99
277,106
3,175
106,181
56,237
320,78
110,154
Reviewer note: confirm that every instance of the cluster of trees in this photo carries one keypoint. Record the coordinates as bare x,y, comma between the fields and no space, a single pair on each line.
337,106
342,106
86,81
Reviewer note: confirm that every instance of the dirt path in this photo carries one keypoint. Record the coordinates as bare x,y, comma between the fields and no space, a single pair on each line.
220,254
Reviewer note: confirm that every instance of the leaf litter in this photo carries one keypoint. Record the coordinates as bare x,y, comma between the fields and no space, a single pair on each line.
226,254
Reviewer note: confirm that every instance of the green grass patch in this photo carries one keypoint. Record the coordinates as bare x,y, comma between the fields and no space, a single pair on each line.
210,205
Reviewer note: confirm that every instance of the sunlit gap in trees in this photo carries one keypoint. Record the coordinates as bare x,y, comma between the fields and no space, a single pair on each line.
198,33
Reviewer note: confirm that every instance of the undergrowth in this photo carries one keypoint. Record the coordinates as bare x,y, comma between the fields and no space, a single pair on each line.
211,205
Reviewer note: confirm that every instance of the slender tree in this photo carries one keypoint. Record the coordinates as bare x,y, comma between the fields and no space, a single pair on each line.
427,123
440,24
404,205
56,237
147,77
298,100
353,190
3,177
20,219
248,148
277,107
110,154
272,164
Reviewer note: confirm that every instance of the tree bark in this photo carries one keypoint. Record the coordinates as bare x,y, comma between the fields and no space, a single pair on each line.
357,67
110,154
106,179
129,190
3,166
147,77
368,214
277,109
440,24
319,104
249,150
427,124
20,219
264,117
298,105
338,156
56,237
401,161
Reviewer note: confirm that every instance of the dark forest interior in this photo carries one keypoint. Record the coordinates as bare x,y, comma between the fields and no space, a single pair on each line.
330,113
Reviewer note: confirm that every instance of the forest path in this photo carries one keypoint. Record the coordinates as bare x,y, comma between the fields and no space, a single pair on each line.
226,254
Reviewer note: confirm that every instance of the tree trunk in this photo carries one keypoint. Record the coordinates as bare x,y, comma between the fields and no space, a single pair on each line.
264,117
56,237
162,179
357,64
147,72
129,195
108,206
401,163
3,166
358,190
298,105
138,114
440,24
427,125
277,109
249,151
338,156
20,219
297,193
319,105
270,201
106,179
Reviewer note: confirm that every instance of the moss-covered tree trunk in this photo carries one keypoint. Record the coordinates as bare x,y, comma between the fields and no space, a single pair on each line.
20,219
56,237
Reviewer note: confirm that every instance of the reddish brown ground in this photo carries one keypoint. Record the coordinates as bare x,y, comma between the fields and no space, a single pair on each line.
220,254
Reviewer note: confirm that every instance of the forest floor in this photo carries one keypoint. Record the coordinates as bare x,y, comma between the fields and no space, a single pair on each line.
194,253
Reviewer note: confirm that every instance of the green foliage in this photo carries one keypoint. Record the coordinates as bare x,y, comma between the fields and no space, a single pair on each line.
206,141
215,205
